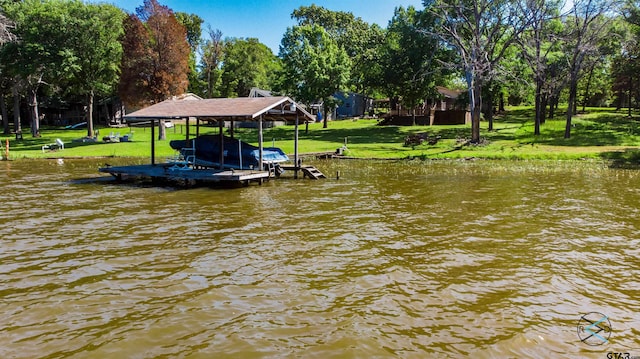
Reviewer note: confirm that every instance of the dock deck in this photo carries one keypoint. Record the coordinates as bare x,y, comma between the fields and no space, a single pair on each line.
169,172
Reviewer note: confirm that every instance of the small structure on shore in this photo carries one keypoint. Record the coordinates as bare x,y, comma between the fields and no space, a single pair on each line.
219,110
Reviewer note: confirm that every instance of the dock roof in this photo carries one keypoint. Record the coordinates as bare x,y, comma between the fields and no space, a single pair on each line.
237,109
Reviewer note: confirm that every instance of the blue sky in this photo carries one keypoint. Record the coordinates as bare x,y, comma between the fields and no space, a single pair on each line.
267,20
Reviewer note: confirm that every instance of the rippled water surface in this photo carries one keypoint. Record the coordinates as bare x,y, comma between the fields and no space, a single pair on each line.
410,260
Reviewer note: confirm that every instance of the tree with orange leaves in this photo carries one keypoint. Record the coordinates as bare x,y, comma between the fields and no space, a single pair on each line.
155,61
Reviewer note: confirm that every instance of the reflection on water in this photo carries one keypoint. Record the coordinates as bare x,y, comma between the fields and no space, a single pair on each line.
490,259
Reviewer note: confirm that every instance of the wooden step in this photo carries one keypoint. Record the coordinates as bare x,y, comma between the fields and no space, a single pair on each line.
312,172
307,171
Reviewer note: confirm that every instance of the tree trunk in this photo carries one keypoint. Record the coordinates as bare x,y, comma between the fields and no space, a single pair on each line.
543,107
587,89
539,108
476,111
630,91
90,114
35,117
501,108
17,126
5,116
573,89
326,114
162,131
209,84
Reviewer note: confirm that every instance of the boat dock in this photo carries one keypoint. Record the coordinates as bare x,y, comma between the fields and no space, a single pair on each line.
172,173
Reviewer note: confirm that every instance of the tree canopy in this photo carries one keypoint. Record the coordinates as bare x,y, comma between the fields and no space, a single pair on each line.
314,66
155,62
247,64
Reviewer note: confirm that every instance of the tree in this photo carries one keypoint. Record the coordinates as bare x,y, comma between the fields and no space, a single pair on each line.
537,43
36,59
361,41
586,27
193,26
211,57
625,66
314,66
155,63
411,60
481,31
6,26
247,63
92,51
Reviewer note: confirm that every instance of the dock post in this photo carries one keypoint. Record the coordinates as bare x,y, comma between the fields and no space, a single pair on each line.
221,145
260,144
153,142
295,147
240,152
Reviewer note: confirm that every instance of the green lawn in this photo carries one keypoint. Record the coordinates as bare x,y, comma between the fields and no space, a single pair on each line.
599,133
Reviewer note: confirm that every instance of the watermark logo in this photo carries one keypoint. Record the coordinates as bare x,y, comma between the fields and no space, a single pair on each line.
594,328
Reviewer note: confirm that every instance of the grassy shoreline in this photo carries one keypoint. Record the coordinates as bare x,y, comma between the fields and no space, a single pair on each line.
598,134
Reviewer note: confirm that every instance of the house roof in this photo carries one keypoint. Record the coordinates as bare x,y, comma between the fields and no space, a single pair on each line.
238,109
446,92
257,92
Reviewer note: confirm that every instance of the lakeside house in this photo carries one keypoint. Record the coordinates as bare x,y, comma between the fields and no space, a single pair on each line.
446,109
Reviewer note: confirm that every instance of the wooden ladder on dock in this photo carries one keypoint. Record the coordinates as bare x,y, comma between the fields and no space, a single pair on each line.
312,172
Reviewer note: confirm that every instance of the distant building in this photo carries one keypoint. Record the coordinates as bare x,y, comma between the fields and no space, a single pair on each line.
446,109
187,97
352,105
256,92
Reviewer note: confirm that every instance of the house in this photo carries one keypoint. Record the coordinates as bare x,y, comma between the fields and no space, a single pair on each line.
448,110
445,109
352,105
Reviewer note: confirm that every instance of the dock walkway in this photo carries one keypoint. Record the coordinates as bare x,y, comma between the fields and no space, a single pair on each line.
169,172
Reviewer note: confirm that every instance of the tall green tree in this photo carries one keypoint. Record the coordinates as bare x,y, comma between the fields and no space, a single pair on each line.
211,58
247,63
361,41
6,26
36,59
625,66
155,62
481,31
314,66
586,27
538,42
193,26
92,51
412,58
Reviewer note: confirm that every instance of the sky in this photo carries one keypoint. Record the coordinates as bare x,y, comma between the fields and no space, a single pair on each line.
268,20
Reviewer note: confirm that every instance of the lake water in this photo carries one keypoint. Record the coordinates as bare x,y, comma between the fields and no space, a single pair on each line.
395,259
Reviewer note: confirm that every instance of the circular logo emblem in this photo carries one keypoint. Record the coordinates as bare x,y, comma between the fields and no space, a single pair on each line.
594,328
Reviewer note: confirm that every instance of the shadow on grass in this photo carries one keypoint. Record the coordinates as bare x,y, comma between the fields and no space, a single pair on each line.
629,158
359,135
36,143
598,128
